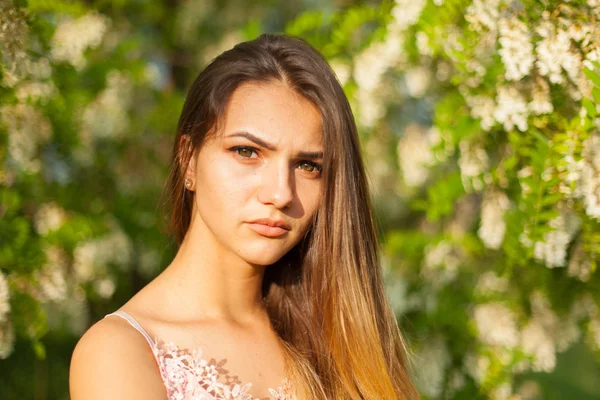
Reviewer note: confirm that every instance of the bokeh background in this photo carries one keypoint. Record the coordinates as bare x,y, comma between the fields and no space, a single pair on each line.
479,125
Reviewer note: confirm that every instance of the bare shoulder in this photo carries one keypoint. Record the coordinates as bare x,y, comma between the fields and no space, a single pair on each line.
112,360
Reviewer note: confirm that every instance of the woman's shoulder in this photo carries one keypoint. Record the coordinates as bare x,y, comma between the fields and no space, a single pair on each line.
113,360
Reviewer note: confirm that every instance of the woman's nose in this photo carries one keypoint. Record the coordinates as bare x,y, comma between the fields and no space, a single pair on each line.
277,186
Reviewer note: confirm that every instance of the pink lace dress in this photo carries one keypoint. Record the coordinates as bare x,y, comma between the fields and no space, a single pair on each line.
188,376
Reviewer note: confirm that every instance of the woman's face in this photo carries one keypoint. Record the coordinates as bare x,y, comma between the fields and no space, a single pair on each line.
263,168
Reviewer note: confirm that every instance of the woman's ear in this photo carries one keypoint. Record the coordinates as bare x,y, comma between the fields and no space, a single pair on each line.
186,158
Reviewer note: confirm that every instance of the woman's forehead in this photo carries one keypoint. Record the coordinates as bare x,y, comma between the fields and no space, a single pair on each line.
272,110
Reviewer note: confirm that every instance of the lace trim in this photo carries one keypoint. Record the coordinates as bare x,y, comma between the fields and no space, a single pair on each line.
188,376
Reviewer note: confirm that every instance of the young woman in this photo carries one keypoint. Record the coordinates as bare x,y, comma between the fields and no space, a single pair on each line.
276,290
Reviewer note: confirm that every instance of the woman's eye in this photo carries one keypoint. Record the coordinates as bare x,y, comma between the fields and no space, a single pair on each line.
310,167
245,152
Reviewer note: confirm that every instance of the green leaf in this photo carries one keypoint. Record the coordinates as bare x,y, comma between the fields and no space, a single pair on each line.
592,75
39,349
589,107
596,94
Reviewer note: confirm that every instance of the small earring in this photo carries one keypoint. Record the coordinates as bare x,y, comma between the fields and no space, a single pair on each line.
188,183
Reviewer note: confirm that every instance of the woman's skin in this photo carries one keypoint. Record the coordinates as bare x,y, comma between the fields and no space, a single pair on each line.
209,297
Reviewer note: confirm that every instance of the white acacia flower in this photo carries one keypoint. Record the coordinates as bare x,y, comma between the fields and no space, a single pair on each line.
440,265
341,70
423,45
106,116
105,287
4,298
538,343
27,130
7,339
417,81
406,13
554,54
552,250
473,163
415,156
74,36
371,63
189,15
35,91
492,228
583,307
482,107
92,257
76,310
432,361
516,48
529,390
541,102
589,183
503,391
496,325
369,68
511,109
13,35
477,366
489,283
49,217
483,14
52,276
580,264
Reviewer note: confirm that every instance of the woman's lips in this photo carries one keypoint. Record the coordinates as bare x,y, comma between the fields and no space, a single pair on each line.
266,230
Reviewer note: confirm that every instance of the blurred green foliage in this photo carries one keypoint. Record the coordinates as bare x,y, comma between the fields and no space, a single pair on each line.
479,123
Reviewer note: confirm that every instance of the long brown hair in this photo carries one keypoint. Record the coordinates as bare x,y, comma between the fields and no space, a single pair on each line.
325,297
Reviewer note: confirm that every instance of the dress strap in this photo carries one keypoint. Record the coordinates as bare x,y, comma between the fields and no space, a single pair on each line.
133,323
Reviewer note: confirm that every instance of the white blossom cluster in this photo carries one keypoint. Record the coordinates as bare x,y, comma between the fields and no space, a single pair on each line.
440,264
91,259
49,217
473,163
588,185
4,298
433,359
13,35
371,64
496,325
74,36
512,108
477,365
516,48
35,91
554,53
580,264
106,116
52,277
540,337
552,250
492,227
369,67
546,333
482,107
415,155
7,335
189,16
417,81
540,97
27,130
490,283
406,13
483,15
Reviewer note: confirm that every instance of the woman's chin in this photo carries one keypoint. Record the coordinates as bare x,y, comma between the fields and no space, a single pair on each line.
264,257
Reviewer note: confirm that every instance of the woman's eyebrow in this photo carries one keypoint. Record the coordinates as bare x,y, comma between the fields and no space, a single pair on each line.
269,146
